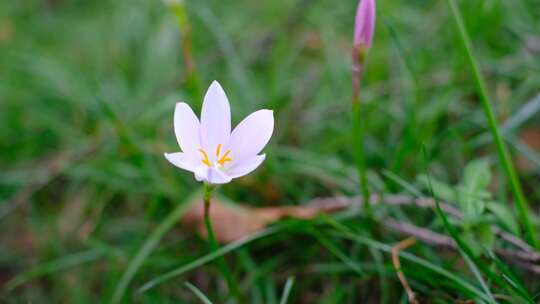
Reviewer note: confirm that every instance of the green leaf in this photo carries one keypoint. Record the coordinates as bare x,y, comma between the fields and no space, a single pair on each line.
471,204
287,290
484,234
198,293
472,191
477,175
469,239
443,190
505,215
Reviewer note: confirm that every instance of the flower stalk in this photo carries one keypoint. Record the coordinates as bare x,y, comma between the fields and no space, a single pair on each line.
212,242
178,8
207,198
215,155
359,146
362,41
208,189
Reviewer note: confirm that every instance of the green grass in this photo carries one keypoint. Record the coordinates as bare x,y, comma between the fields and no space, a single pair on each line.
89,207
502,150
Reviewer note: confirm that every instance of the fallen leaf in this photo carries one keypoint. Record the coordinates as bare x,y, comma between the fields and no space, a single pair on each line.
6,31
530,137
231,221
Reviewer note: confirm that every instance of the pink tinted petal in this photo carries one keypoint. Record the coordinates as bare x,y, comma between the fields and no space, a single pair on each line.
186,128
201,173
365,23
215,119
181,160
211,175
251,135
216,176
245,166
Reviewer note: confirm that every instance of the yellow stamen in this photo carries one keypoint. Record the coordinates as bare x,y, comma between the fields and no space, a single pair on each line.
225,158
205,160
218,150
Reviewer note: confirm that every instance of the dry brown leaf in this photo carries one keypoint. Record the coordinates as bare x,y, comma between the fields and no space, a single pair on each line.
6,30
531,137
231,222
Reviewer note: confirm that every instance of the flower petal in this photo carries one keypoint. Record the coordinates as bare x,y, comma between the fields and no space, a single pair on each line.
186,128
215,119
211,175
246,166
216,176
364,24
201,173
181,160
251,135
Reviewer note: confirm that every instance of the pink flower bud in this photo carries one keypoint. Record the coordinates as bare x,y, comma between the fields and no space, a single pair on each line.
364,24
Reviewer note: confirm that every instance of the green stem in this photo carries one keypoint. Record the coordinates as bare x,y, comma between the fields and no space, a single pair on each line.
214,246
207,221
358,125
504,156
358,142
193,82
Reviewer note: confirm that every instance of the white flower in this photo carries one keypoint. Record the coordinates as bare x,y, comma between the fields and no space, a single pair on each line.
209,149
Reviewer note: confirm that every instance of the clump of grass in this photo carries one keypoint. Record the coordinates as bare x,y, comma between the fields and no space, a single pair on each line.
89,208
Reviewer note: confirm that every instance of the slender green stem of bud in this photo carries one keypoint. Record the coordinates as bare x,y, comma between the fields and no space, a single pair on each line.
358,124
178,8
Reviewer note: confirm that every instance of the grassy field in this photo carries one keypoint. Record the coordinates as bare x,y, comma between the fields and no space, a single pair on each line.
90,209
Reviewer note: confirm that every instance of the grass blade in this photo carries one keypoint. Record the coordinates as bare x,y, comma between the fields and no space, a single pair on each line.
209,257
287,290
149,245
344,232
513,281
502,151
55,266
198,293
337,252
474,269
464,250
529,110
471,289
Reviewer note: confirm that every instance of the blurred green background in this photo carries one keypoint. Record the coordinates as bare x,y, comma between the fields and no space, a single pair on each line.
87,92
